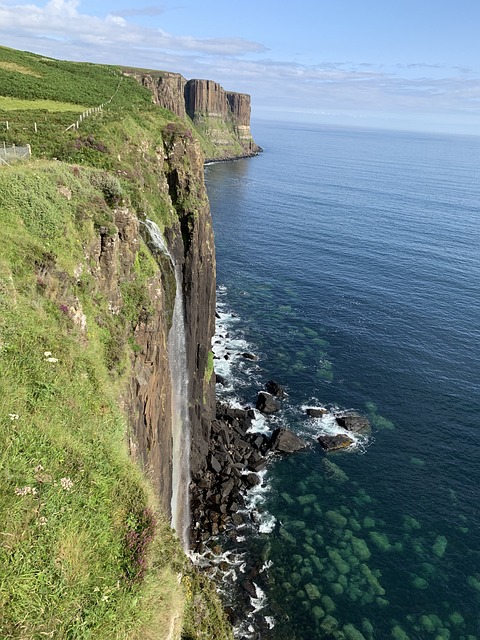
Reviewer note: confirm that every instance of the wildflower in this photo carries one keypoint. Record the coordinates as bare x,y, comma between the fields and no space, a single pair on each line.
66,483
51,359
25,491
42,521
13,416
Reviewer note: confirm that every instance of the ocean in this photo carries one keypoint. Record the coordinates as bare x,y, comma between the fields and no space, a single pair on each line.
348,262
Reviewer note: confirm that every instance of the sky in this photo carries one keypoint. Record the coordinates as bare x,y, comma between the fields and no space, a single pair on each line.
392,64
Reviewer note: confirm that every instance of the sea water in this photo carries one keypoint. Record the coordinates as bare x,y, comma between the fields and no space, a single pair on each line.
349,263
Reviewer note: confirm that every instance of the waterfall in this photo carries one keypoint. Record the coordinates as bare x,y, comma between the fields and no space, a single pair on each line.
177,356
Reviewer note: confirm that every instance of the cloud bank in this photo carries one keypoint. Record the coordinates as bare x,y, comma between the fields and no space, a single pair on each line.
60,29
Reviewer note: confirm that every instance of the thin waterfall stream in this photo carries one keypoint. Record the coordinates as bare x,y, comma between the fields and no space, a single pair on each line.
177,356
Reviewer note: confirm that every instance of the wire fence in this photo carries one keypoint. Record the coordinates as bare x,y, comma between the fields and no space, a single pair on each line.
13,152
92,110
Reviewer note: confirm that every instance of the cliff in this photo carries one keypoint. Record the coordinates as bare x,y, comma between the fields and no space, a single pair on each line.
107,255
221,118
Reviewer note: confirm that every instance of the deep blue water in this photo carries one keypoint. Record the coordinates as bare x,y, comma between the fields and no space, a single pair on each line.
352,259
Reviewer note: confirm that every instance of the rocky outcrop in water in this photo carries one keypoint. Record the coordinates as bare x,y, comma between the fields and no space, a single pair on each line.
334,442
235,457
353,422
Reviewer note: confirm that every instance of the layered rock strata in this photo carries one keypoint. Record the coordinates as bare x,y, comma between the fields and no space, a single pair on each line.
221,117
149,397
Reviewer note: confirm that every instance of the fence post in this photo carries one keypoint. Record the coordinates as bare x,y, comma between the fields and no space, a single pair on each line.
35,126
7,124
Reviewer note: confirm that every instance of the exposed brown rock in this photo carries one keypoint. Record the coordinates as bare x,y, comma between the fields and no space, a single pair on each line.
223,117
166,88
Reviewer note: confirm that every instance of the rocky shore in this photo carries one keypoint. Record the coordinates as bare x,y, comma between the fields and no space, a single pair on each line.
236,455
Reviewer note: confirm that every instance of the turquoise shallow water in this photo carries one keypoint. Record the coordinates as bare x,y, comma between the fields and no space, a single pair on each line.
352,259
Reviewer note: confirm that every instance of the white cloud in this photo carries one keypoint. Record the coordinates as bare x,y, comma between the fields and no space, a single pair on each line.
61,30
62,19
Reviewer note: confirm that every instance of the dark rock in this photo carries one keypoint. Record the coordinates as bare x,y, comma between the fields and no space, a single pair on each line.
275,389
334,443
227,487
316,412
258,441
252,480
353,422
220,380
249,588
215,464
249,356
266,403
237,519
257,465
286,441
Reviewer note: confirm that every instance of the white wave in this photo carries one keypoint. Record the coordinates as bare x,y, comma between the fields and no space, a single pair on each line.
328,425
260,601
267,523
266,565
270,620
259,424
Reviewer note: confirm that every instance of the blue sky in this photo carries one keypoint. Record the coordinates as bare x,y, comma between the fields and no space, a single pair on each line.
393,64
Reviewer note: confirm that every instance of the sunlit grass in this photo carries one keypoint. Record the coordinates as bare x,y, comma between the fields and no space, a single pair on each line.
17,104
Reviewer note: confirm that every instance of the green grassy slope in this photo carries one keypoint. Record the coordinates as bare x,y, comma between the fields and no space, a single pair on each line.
84,551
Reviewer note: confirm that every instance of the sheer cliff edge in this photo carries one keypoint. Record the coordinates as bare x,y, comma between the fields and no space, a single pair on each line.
221,118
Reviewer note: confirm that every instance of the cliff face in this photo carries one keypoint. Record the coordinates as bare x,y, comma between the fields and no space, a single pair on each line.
221,118
167,90
149,397
88,298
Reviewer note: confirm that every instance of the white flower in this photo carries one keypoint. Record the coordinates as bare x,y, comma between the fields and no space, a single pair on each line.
13,416
25,491
66,483
51,359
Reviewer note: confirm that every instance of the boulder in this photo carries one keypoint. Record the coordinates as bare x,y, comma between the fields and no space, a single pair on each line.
285,441
334,443
353,422
249,356
215,464
220,380
275,389
252,480
266,403
316,412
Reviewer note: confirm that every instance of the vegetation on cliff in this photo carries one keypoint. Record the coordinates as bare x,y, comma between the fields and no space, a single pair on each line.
85,551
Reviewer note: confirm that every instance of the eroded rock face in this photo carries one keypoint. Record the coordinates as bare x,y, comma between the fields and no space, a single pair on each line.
193,245
206,98
147,400
166,88
223,117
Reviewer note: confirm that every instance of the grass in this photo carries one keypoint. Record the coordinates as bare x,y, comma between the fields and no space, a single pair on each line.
16,104
84,551
70,496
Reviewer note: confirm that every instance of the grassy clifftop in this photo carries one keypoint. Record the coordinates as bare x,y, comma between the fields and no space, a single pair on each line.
84,550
